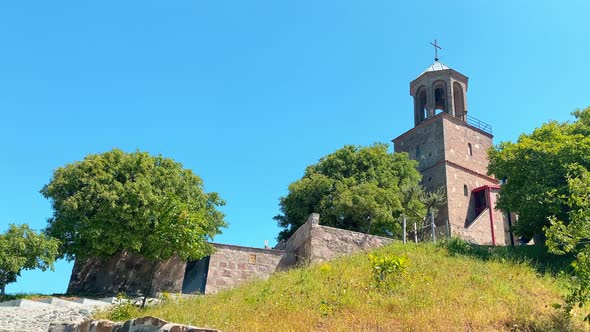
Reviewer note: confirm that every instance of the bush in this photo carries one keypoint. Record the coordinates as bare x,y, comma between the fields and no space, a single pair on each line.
124,309
386,268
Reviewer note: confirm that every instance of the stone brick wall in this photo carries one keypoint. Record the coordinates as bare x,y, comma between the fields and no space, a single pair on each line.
457,136
423,143
432,179
463,211
466,172
501,229
231,265
328,242
125,273
315,243
300,242
477,231
453,155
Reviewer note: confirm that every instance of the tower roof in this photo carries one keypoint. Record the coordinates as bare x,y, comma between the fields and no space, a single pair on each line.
436,66
440,71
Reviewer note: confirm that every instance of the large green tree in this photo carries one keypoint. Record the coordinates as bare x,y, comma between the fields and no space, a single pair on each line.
570,235
363,189
536,171
133,202
23,249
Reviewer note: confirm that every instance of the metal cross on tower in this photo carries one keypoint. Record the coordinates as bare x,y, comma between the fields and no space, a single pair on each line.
436,48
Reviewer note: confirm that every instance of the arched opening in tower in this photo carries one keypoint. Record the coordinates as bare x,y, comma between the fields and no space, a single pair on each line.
421,111
440,98
459,101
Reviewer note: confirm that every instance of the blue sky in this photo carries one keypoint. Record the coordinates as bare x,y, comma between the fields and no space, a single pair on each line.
248,93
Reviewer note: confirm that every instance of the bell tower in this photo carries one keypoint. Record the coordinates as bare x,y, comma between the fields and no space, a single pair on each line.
439,89
451,150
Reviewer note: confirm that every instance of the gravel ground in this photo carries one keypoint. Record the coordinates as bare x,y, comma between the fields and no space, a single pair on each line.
37,319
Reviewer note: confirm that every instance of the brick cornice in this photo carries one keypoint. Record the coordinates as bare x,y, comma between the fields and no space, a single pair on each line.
463,168
442,115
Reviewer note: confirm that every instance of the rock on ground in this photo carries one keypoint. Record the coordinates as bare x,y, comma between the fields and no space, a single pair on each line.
37,319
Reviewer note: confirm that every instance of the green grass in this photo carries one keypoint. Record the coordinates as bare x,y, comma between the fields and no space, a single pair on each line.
453,287
28,296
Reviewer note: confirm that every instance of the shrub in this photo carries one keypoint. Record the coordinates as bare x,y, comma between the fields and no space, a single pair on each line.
386,268
123,309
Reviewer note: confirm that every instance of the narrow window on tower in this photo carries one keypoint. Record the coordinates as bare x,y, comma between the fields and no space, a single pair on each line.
469,149
417,151
465,190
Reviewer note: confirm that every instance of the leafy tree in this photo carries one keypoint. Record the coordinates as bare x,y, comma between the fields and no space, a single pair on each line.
23,249
363,189
536,169
133,202
571,235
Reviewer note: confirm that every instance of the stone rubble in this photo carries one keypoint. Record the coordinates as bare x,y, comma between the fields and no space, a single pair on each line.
34,315
142,324
54,314
38,319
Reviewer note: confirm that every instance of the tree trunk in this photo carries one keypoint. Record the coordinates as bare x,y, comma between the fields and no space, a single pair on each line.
3,281
154,268
153,274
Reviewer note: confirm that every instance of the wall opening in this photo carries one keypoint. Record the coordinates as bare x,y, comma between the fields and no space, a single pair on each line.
481,203
417,151
440,97
420,104
459,101
469,149
195,276
465,190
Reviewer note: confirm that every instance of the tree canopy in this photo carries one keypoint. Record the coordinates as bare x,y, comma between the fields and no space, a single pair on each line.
565,235
363,189
133,202
23,249
536,171
570,235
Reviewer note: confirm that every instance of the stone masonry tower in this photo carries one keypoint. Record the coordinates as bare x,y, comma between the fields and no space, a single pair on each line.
451,149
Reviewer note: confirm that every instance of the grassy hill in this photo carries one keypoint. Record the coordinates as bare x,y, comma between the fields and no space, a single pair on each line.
451,287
